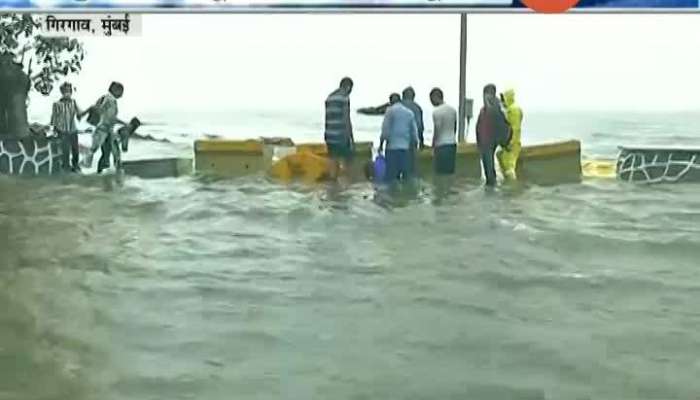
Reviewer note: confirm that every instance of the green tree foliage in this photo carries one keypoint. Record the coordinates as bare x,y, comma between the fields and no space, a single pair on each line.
47,59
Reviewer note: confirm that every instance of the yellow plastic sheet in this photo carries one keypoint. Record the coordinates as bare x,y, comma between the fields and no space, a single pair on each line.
304,166
599,169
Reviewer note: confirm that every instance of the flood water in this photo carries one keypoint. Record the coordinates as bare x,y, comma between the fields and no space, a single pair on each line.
197,289
185,289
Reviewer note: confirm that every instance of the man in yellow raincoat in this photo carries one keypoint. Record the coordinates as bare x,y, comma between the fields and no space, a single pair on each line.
508,157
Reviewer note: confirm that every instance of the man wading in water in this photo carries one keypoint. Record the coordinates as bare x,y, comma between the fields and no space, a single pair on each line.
400,132
444,134
408,99
338,136
104,116
492,130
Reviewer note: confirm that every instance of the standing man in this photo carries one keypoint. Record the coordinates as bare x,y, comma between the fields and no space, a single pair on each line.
408,100
444,134
400,132
63,117
508,157
338,135
492,130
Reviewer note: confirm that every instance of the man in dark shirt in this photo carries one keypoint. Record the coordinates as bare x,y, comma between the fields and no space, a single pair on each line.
408,99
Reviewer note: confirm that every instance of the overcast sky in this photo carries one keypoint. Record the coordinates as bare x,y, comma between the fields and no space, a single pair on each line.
221,62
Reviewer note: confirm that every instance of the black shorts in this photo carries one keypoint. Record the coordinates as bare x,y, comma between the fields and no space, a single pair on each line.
339,152
444,159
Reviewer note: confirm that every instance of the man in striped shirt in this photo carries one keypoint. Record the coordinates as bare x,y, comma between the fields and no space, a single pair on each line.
63,117
338,136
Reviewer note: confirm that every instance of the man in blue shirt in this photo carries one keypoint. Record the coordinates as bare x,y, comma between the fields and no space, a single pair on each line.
400,133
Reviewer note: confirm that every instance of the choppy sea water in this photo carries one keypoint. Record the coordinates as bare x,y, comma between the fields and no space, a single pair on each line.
197,289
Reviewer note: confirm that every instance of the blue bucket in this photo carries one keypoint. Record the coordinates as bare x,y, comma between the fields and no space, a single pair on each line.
379,168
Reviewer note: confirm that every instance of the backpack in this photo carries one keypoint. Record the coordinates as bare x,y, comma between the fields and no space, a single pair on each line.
503,130
95,112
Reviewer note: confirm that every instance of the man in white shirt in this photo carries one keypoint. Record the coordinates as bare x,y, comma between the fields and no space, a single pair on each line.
444,134
107,110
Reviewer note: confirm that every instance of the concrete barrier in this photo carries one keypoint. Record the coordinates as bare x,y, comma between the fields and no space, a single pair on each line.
658,164
550,164
542,164
363,154
235,158
467,162
158,168
229,158
30,156
362,149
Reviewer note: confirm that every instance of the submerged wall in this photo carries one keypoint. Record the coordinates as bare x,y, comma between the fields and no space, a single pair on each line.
158,167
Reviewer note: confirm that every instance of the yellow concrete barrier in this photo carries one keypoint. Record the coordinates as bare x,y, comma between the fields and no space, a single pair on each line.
234,158
362,149
226,146
229,158
542,164
551,163
467,162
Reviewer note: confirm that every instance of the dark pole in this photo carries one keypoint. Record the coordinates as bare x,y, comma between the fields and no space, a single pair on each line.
461,134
